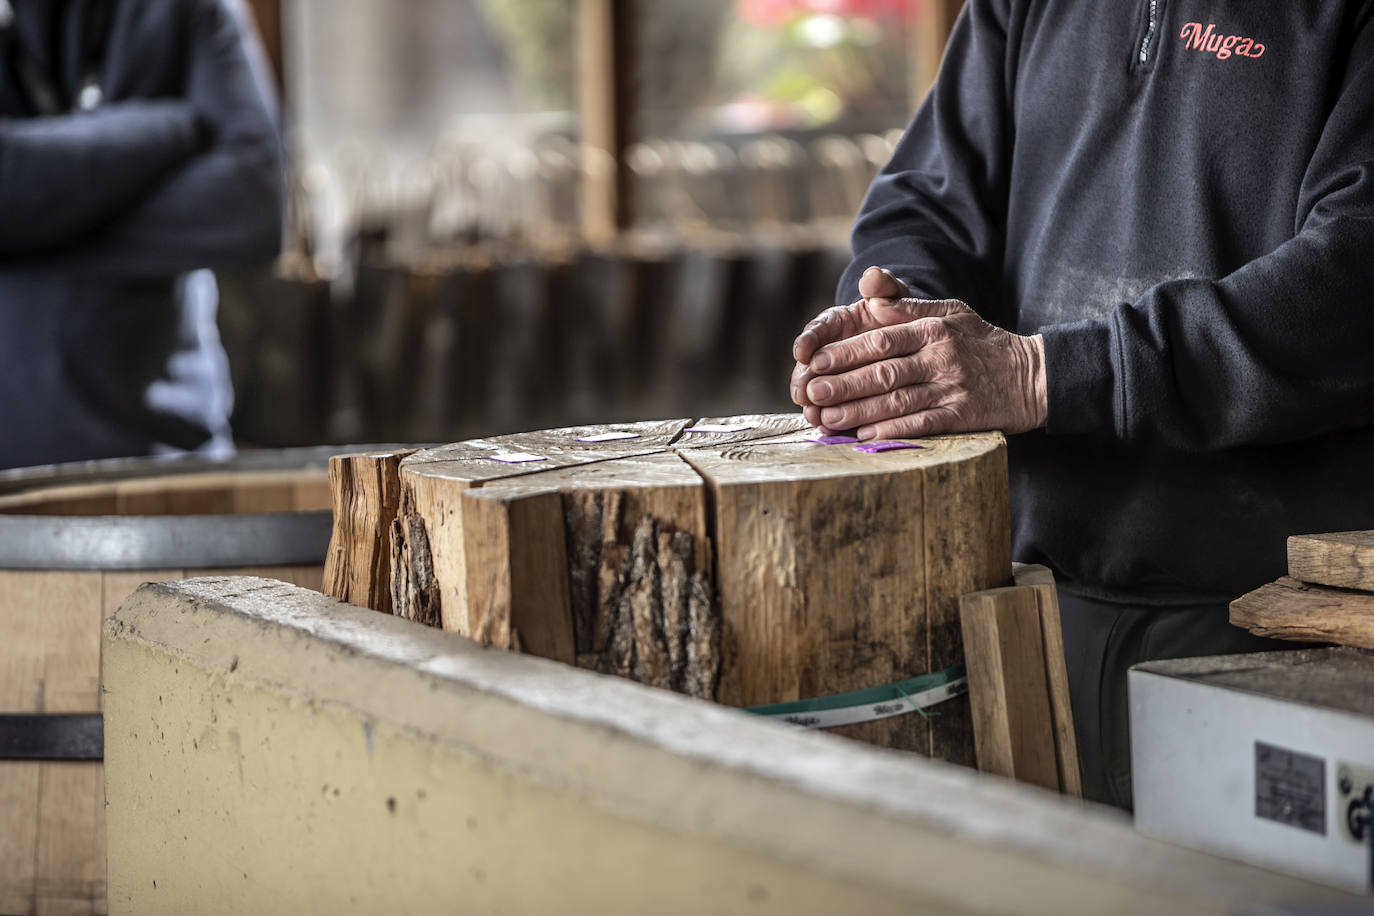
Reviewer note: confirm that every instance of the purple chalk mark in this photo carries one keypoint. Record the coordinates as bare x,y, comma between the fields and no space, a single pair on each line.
873,448
829,440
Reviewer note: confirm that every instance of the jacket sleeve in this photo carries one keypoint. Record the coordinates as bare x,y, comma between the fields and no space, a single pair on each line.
1278,351
935,214
62,177
226,205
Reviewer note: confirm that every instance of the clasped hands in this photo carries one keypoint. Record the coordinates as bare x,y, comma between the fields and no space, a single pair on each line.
892,366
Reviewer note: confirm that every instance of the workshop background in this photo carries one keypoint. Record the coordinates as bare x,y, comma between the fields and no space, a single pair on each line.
508,214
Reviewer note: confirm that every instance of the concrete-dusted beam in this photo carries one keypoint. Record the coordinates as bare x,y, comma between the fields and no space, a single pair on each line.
270,750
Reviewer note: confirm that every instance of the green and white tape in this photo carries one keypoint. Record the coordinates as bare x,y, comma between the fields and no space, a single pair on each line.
915,694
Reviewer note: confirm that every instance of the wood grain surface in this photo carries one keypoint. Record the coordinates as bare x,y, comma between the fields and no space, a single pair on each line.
1289,609
1343,559
750,567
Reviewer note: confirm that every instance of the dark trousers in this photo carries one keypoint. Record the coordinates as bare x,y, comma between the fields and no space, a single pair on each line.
1102,640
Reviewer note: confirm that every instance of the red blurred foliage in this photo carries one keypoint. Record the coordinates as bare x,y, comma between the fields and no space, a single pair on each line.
770,13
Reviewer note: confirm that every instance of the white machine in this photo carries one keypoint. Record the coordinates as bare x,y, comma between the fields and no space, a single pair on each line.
1267,758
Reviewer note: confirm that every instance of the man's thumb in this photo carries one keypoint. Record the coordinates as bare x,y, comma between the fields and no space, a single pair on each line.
879,283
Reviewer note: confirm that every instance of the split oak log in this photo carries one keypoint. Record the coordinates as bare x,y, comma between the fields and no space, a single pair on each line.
749,567
1007,687
1289,609
1341,560
1041,580
1018,682
429,548
366,491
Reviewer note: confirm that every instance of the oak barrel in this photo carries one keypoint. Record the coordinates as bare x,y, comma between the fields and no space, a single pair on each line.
75,540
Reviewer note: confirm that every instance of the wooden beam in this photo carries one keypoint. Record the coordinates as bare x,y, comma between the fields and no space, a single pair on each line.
605,61
930,28
1041,580
1004,652
1289,609
1342,560
267,13
366,489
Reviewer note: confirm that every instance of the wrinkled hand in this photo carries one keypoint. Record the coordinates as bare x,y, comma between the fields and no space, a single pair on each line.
893,366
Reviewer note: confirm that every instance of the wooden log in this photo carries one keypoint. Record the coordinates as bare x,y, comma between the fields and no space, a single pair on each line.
1289,609
366,488
1005,655
748,566
1341,560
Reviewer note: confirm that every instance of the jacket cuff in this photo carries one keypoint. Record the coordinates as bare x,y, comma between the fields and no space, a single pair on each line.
1080,379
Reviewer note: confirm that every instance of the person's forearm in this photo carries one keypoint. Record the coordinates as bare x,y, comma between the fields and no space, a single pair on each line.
221,209
1276,352
63,177
226,206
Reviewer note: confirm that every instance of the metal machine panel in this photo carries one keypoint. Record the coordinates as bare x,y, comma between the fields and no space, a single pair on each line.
1267,758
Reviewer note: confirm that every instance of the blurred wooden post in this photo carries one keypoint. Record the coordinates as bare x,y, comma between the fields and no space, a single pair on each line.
930,27
604,66
268,16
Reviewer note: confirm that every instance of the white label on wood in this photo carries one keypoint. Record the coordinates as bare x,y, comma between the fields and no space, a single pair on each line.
606,437
718,428
516,457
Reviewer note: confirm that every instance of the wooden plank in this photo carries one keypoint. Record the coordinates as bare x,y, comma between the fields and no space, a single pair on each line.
73,499
1056,674
1004,654
179,494
1342,559
155,496
366,494
605,64
1289,609
69,873
516,565
930,30
21,690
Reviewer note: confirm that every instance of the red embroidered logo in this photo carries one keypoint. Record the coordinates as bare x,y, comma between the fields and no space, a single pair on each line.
1223,46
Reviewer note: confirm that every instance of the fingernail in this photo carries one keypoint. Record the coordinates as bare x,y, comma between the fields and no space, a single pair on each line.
833,418
796,394
865,432
869,270
821,362
820,390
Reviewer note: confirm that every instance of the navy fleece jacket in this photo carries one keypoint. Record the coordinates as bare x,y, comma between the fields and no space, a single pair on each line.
108,344
1179,194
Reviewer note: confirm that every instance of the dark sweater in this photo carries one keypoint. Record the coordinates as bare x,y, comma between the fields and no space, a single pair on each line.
108,344
1183,203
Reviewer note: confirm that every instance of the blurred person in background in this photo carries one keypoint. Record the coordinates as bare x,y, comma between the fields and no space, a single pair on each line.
139,148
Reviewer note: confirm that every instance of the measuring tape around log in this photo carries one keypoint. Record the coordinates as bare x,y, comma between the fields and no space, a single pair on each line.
896,699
